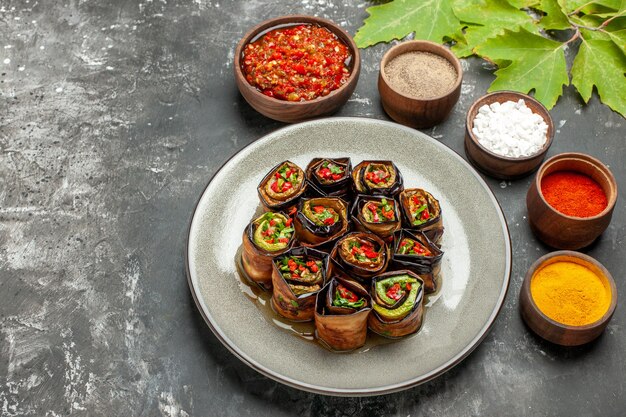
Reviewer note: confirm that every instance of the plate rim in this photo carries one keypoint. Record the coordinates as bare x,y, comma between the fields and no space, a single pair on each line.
353,392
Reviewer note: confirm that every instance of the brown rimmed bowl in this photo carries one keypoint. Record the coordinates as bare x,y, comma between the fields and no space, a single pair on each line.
411,111
553,331
297,111
559,230
498,166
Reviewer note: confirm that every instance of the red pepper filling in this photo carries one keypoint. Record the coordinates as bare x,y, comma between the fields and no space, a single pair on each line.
419,211
412,247
346,293
377,176
395,292
363,251
329,172
298,268
284,179
296,63
380,212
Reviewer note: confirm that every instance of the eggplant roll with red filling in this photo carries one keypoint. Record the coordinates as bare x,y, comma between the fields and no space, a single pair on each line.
377,178
362,255
397,304
341,312
412,250
282,187
330,177
297,277
269,235
376,214
421,211
320,220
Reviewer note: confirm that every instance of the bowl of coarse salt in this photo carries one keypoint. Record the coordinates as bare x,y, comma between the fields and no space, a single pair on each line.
507,134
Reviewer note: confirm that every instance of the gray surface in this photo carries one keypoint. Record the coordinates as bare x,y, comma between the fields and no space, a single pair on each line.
475,269
108,136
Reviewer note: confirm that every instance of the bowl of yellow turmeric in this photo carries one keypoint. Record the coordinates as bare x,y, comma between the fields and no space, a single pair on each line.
568,298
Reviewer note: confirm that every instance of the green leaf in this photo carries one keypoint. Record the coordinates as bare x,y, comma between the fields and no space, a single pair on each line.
431,20
522,4
294,303
536,63
555,18
486,19
592,7
601,63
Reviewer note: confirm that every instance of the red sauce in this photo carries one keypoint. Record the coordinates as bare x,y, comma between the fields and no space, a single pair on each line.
296,63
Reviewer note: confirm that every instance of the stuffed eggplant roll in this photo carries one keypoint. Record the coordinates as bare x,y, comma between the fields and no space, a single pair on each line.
330,177
282,187
320,220
378,215
412,250
377,178
421,211
267,236
397,303
297,277
362,255
341,312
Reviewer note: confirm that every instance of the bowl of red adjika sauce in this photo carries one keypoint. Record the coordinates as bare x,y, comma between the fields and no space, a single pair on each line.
419,83
294,68
570,203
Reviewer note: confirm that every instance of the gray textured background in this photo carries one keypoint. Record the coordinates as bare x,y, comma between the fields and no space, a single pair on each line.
113,116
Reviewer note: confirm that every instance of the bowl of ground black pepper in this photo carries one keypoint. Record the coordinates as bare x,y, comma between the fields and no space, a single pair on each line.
568,298
571,200
419,83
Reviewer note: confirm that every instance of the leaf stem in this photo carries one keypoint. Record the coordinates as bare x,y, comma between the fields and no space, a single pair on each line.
579,9
575,36
607,21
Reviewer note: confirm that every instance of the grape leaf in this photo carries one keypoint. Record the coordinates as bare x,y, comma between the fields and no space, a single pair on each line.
521,4
430,20
615,31
601,63
591,7
486,19
554,19
536,63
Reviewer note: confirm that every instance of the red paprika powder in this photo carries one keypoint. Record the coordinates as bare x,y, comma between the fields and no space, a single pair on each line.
573,194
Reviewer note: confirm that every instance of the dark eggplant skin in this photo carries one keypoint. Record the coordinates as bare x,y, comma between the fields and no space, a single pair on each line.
312,235
339,329
433,228
284,301
383,230
340,188
409,324
358,271
270,203
428,268
257,262
360,186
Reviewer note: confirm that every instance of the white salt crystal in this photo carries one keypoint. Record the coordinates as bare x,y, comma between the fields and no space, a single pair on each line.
510,129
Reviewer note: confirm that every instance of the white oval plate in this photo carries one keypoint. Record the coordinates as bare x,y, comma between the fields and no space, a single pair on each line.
476,266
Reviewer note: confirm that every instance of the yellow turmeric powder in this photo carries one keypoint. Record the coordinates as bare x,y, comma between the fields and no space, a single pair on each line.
570,293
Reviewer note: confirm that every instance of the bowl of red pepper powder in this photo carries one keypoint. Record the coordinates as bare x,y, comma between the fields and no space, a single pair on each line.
297,67
570,203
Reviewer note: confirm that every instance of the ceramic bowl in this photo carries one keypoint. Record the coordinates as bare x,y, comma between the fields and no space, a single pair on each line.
553,331
560,230
498,166
290,111
411,111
